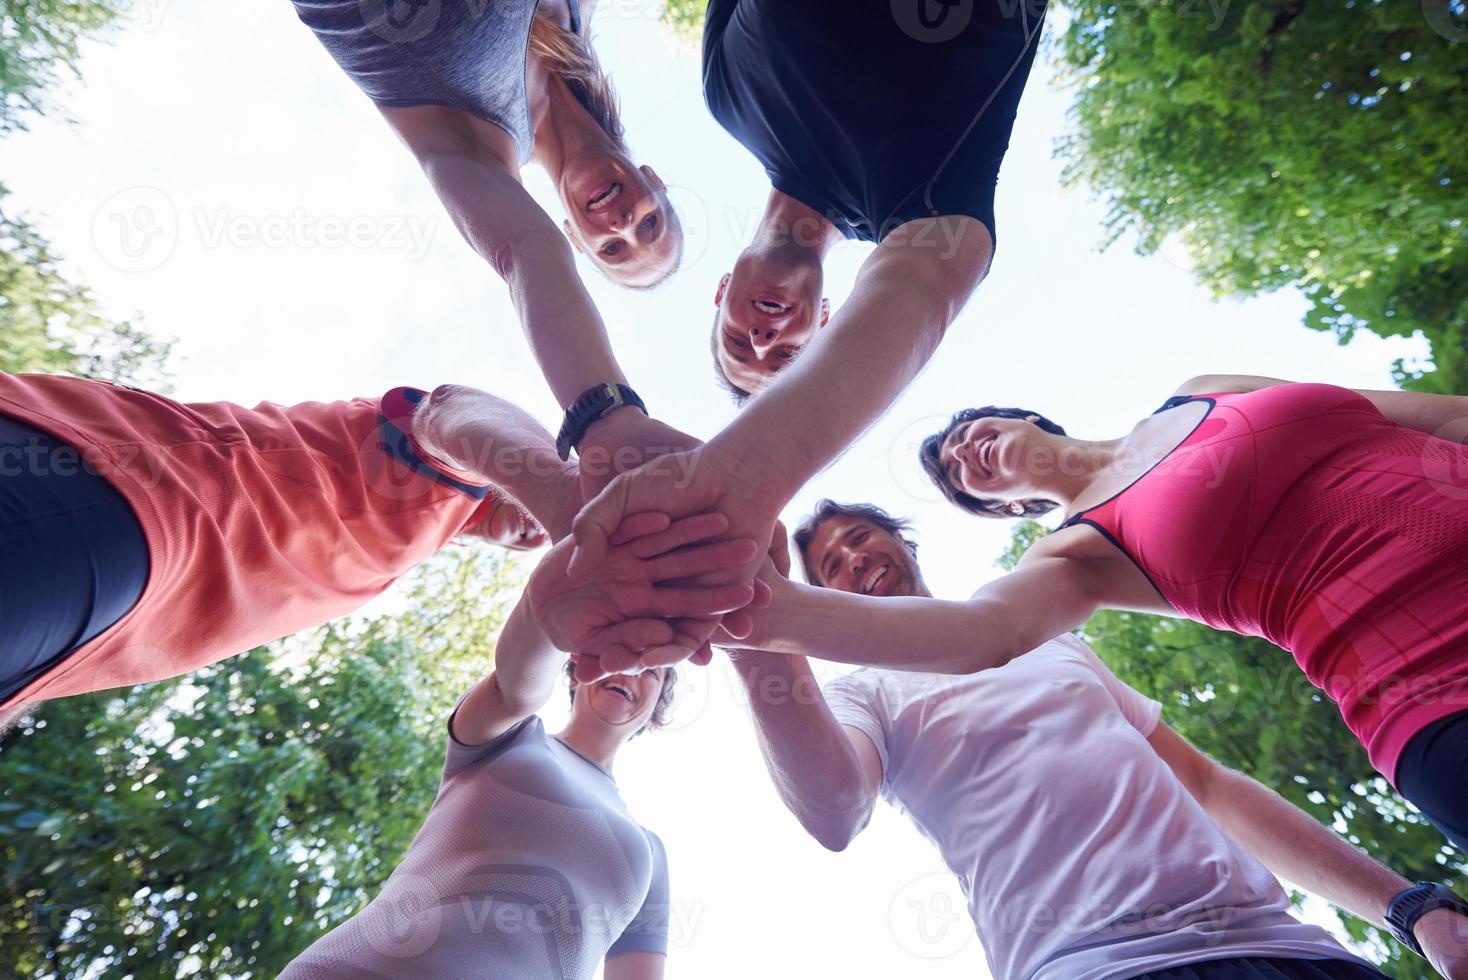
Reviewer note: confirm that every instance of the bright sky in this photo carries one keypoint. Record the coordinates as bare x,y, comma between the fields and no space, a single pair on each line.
223,179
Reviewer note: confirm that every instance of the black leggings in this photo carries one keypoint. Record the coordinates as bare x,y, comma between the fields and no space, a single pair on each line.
1257,968
73,559
1433,774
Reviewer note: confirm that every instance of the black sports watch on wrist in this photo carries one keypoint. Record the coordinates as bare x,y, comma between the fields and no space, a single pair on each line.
590,407
1409,906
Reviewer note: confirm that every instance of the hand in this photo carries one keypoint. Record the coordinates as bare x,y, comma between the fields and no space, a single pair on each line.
621,441
741,633
679,485
623,608
1443,935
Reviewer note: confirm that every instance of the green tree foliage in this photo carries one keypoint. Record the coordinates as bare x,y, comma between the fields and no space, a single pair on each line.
50,324
217,824
1245,702
39,43
685,17
1285,143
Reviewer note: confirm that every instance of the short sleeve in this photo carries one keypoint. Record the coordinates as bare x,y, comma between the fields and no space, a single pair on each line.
648,930
461,756
854,700
1141,712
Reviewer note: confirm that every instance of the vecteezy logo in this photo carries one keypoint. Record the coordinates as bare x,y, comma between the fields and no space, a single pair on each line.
1449,18
933,21
928,917
136,230
400,21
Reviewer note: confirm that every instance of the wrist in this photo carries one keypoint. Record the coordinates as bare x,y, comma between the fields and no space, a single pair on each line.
595,407
761,475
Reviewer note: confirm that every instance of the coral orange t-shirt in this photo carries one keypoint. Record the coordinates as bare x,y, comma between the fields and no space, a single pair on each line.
260,521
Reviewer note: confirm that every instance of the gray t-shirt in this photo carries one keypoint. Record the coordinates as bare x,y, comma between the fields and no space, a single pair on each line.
1082,855
527,865
465,54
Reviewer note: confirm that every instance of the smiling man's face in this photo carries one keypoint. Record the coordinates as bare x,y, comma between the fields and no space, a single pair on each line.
854,555
767,316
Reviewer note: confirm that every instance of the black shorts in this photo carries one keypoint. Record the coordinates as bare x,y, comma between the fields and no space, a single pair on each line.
1256,968
73,558
1433,773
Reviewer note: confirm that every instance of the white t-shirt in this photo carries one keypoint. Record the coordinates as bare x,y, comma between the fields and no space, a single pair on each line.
1082,856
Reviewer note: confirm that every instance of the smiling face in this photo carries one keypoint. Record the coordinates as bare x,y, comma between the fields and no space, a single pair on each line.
768,313
622,701
620,218
986,457
854,555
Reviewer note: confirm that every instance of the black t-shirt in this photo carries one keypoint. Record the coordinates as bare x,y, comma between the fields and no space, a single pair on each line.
873,112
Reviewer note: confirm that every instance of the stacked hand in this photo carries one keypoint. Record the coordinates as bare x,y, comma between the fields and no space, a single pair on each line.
680,485
644,602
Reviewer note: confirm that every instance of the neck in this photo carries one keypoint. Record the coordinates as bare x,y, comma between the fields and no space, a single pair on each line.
596,741
564,130
791,228
1079,464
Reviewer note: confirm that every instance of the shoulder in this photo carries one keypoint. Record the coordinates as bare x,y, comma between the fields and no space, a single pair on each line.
1224,384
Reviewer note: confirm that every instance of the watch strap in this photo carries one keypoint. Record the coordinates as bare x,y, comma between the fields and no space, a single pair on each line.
592,405
1409,906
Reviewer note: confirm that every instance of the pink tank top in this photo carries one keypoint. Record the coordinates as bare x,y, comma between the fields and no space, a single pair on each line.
1300,514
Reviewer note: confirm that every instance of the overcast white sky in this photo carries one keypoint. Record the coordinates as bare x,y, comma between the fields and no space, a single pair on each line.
223,179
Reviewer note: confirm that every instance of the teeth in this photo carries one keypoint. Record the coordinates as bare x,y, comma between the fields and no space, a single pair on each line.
605,198
874,578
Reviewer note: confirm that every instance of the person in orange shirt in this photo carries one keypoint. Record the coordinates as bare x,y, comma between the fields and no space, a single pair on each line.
142,538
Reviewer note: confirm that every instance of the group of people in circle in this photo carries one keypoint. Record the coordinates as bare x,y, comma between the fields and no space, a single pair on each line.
1090,839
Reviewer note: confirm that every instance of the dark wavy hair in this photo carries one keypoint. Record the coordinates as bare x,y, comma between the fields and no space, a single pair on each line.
661,715
898,527
931,456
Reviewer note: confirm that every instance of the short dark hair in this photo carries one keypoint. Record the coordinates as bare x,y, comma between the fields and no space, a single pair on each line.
735,392
931,457
661,715
898,527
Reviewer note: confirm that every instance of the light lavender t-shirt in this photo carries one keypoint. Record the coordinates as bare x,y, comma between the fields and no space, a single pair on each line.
1082,856
527,866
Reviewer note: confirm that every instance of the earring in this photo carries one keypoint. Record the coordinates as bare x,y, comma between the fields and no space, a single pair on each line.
1016,508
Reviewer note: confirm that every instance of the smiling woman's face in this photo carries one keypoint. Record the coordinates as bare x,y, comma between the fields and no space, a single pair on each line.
622,700
987,457
619,216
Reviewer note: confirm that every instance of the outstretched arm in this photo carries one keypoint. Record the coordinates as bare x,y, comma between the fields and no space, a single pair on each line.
1007,618
503,223
907,293
1296,847
523,679
483,434
827,774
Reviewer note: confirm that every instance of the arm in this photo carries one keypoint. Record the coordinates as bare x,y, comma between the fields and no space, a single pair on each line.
1445,416
828,775
1007,618
1296,847
502,222
526,669
906,295
636,966
480,433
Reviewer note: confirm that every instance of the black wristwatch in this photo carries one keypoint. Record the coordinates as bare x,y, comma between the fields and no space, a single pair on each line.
1409,906
593,405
